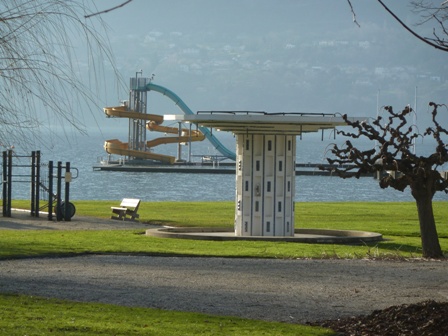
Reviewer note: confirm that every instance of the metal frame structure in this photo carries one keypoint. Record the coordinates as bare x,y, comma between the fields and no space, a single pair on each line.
64,209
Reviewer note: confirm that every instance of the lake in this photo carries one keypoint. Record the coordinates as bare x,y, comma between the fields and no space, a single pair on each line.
83,152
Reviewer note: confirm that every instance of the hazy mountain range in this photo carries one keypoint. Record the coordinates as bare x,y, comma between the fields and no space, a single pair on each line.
266,55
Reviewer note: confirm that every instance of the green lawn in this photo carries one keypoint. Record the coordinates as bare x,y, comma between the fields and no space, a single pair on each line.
24,315
396,221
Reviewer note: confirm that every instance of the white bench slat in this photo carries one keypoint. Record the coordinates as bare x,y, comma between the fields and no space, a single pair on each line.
128,207
129,202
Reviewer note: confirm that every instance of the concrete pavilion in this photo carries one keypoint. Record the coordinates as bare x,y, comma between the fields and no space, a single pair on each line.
265,163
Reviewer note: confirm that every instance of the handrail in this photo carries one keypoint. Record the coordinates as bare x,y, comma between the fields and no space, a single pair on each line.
268,113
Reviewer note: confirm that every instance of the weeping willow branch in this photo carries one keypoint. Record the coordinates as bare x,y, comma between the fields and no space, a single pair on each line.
43,80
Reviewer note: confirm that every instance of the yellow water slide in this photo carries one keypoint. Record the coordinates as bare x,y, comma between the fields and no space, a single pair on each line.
115,146
184,137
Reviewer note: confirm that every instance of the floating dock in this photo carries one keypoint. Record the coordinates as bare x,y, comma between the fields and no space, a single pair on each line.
302,169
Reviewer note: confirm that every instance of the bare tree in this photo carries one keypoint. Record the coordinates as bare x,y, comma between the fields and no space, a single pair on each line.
429,12
434,13
400,166
40,72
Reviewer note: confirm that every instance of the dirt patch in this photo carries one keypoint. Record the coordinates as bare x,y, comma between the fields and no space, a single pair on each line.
428,318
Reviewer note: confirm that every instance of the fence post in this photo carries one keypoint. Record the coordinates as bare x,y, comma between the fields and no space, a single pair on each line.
58,192
9,179
37,192
5,184
33,183
67,215
50,190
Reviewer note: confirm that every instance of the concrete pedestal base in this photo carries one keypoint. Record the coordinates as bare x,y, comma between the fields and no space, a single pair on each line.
265,185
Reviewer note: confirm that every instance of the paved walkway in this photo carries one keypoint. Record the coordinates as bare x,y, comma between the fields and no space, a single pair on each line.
22,220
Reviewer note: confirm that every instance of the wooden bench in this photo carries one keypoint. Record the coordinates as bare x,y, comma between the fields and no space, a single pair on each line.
127,209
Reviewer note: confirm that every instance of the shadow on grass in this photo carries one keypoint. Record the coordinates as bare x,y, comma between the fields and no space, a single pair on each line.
396,248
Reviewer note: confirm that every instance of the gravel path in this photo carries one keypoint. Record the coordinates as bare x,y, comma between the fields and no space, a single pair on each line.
279,290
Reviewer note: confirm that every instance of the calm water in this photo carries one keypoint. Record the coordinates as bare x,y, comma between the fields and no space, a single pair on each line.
83,153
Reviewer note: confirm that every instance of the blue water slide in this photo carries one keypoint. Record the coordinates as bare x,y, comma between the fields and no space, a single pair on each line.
179,102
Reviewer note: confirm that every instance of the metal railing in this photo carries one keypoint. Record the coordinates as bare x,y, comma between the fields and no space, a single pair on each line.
302,114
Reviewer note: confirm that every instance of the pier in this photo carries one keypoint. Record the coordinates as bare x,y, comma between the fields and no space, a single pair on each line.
302,169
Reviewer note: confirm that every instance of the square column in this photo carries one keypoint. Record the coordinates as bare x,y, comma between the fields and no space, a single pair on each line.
265,185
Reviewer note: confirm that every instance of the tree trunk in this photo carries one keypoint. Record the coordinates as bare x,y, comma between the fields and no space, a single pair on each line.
430,239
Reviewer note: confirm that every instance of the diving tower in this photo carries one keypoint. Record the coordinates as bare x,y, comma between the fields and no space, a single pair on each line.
265,163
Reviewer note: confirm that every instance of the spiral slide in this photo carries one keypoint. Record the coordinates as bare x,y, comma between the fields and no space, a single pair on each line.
115,146
208,134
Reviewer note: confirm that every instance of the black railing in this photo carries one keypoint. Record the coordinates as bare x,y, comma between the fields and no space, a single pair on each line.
268,113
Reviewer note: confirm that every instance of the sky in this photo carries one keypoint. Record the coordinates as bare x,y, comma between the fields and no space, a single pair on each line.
228,55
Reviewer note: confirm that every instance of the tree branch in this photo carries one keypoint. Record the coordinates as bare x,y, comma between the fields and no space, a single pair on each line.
425,40
108,10
353,13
